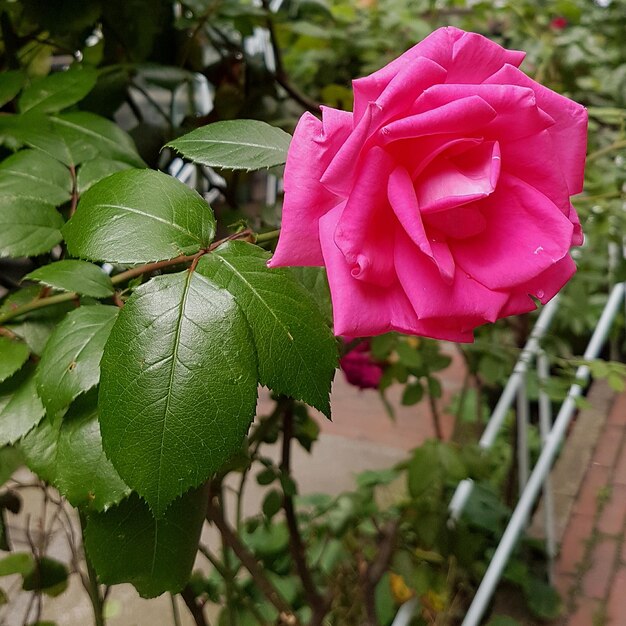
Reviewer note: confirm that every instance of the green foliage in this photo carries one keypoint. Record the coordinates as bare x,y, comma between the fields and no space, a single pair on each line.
68,453
20,406
33,174
27,226
127,544
70,275
137,216
179,383
238,145
58,91
13,355
70,362
296,350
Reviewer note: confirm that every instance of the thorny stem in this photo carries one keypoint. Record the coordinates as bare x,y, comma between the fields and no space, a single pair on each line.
122,277
318,604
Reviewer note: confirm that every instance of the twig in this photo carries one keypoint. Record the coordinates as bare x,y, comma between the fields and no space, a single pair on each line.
370,575
94,589
280,75
148,268
194,608
74,202
215,515
317,603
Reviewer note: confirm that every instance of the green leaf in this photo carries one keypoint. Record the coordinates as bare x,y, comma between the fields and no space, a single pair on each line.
235,144
71,275
58,91
33,174
10,460
178,386
70,363
10,85
17,563
272,503
297,350
138,216
68,453
13,355
48,575
20,406
95,170
28,227
127,544
543,600
73,138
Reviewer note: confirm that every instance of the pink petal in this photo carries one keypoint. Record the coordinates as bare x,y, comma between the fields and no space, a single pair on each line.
365,232
544,287
569,131
452,180
517,114
437,47
306,199
525,234
534,160
459,222
463,298
467,114
578,237
475,58
361,309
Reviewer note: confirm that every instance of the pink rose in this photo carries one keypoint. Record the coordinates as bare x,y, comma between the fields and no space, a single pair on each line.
443,201
359,367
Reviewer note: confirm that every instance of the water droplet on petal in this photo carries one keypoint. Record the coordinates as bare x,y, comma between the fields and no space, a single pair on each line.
540,294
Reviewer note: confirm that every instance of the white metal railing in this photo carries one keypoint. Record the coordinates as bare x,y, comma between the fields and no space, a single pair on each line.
552,436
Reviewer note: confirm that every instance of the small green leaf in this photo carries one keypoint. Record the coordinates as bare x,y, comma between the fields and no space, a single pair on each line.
28,227
20,406
47,575
296,348
128,545
70,363
58,91
272,503
33,174
138,216
68,453
10,85
235,144
71,275
17,563
178,387
95,170
13,355
412,394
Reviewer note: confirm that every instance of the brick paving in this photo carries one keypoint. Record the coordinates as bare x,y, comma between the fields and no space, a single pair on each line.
590,572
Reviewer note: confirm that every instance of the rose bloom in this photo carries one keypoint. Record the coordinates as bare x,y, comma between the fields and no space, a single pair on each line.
360,369
443,201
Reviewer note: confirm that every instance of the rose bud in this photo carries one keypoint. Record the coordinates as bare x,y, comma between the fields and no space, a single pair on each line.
443,201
